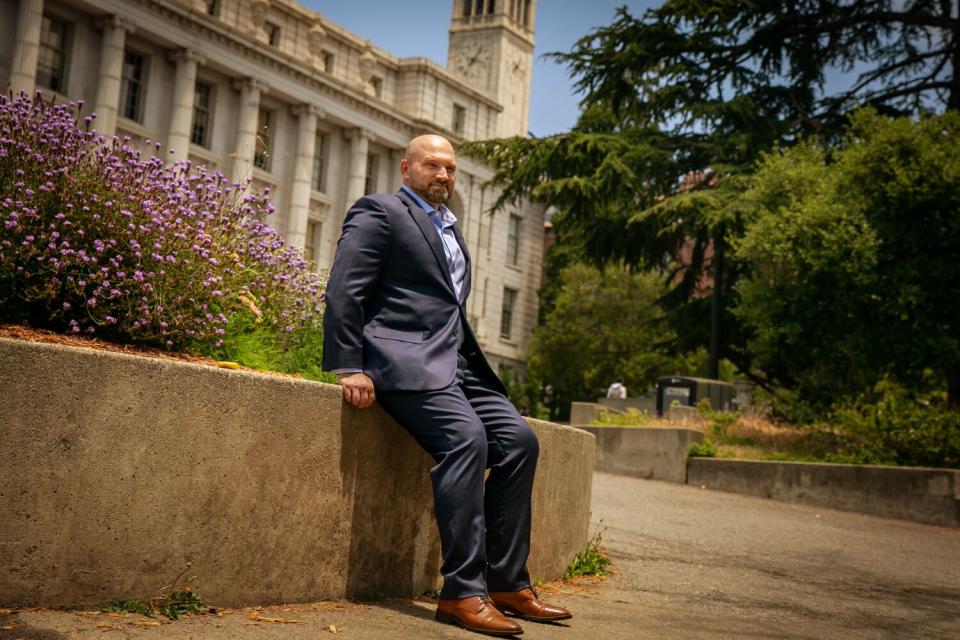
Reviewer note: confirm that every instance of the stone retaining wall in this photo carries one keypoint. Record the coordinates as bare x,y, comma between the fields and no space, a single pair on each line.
654,453
931,496
118,470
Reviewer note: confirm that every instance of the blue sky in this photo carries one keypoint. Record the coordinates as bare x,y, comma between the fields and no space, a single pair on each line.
419,28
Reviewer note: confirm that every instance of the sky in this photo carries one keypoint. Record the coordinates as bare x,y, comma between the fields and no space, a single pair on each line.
418,28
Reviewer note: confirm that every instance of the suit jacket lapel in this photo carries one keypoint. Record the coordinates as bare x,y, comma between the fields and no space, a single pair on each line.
429,234
465,289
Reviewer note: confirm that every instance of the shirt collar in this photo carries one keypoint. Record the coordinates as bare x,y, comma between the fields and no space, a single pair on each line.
446,216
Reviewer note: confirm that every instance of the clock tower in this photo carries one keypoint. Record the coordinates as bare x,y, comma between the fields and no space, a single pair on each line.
491,49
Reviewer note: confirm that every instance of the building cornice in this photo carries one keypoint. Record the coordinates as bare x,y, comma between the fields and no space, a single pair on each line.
217,32
432,68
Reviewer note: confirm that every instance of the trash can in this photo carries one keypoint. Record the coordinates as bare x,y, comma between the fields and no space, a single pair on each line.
687,392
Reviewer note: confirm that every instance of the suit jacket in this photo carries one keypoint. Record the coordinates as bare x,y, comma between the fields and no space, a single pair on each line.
391,310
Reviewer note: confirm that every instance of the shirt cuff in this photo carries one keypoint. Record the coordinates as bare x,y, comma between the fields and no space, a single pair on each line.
343,372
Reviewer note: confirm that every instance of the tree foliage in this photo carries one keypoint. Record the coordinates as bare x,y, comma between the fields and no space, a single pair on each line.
854,269
604,325
680,103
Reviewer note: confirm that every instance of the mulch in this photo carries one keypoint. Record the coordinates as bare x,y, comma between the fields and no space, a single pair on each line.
29,334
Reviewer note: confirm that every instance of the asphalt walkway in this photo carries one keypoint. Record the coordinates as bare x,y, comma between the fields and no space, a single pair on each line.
689,563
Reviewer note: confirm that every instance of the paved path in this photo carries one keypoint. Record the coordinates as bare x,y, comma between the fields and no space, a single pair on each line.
690,564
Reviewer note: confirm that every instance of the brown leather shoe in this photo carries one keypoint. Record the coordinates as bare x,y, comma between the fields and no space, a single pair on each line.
477,613
525,604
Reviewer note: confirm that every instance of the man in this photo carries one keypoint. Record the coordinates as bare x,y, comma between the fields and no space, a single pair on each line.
395,330
617,390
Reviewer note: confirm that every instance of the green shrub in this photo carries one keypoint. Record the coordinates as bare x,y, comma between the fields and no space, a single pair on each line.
630,418
901,428
97,239
705,449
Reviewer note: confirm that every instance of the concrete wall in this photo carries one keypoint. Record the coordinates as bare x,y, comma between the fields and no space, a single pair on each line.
923,495
653,453
119,470
587,412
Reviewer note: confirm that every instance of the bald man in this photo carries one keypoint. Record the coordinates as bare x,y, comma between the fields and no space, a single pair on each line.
396,331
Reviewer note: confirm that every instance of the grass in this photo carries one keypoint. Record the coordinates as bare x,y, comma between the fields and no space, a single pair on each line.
592,561
258,347
753,437
748,437
171,602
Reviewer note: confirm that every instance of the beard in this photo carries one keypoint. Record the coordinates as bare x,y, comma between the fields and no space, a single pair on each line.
438,193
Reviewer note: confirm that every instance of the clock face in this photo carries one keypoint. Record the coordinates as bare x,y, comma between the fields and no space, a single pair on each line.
473,62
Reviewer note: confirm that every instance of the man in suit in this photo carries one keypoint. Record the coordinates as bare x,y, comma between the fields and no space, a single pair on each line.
396,331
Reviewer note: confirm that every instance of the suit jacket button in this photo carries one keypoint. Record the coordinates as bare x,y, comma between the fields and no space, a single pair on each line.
454,333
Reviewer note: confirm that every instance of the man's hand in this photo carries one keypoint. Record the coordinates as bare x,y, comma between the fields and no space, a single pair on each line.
357,389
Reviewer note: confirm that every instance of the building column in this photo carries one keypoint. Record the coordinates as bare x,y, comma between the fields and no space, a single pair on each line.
394,156
250,90
299,209
107,102
181,113
26,46
359,148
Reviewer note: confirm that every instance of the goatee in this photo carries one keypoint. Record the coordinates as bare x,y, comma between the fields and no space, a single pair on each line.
438,194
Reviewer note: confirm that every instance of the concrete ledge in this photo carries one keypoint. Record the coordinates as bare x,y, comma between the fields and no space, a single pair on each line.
653,453
587,412
930,496
118,470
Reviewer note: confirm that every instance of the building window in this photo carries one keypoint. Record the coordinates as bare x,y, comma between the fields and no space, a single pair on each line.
200,132
319,177
213,7
377,85
506,312
459,118
327,62
312,243
132,86
261,156
491,6
373,167
52,58
273,33
467,8
513,239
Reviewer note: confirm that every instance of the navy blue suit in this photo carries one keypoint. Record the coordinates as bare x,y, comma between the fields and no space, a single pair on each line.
392,312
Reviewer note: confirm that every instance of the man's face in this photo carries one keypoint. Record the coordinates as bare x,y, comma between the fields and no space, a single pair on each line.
431,170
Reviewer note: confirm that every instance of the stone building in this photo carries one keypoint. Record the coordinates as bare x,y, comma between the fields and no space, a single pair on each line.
269,90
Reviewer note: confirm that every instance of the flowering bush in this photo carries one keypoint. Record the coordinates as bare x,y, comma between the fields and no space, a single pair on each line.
98,240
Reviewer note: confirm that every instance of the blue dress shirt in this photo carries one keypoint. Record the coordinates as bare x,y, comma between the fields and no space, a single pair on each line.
444,220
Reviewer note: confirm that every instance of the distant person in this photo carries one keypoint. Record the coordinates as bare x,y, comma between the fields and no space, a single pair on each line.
617,390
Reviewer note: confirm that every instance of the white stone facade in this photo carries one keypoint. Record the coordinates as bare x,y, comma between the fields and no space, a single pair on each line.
269,90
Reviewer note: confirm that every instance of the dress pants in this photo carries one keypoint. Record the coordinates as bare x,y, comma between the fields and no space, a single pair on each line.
468,427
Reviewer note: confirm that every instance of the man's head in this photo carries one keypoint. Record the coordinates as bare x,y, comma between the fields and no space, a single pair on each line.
429,167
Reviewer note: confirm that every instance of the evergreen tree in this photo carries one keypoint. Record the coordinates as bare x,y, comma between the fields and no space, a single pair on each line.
680,103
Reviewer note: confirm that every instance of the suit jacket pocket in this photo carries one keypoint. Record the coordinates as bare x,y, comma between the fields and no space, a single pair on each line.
415,337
